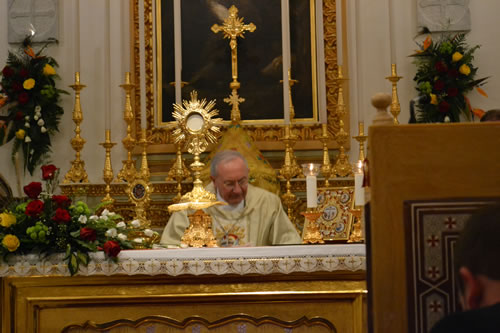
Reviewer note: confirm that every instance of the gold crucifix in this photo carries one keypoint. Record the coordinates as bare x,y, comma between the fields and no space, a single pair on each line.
233,27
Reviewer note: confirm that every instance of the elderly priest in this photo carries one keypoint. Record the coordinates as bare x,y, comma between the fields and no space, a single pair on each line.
252,216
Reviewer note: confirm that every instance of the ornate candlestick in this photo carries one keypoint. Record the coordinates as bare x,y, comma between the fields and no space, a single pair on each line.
139,188
289,170
128,171
361,138
395,106
356,235
342,167
178,172
326,167
107,174
311,233
77,173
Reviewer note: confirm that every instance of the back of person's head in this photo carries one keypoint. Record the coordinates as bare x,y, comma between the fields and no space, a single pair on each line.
478,247
223,157
491,115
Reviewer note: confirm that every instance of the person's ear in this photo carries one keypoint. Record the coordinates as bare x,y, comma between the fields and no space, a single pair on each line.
473,290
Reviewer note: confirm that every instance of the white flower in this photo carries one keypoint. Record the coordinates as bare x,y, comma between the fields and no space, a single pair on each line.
38,108
94,217
27,125
40,122
446,119
27,139
105,212
82,219
148,232
111,232
27,118
43,129
111,214
138,240
122,237
104,217
36,117
32,151
121,225
136,223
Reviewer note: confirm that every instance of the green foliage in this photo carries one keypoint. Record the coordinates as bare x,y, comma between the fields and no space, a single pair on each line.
445,74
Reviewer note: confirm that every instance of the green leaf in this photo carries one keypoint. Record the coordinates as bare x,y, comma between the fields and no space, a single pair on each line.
73,264
83,258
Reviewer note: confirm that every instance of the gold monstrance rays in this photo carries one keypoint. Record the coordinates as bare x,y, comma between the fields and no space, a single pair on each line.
233,27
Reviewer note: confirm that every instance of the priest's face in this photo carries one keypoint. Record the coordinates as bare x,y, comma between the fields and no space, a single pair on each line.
231,181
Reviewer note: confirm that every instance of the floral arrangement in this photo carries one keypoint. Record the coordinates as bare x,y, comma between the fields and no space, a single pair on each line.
445,74
29,99
46,223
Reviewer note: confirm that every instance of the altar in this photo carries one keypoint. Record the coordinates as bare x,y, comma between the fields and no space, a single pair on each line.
313,288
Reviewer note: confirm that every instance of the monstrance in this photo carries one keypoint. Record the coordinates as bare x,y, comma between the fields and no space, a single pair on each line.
197,127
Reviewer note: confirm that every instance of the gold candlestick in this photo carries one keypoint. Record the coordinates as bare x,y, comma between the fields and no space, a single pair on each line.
140,188
356,235
342,167
311,233
178,172
326,167
289,170
395,106
128,171
107,174
77,173
361,138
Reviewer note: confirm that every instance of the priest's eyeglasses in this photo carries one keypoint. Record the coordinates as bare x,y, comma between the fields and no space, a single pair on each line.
231,184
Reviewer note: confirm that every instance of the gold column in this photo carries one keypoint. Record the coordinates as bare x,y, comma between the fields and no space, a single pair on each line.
107,174
77,173
128,171
395,106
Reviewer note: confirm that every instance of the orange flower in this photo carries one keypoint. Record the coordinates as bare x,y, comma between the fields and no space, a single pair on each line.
427,42
481,91
29,51
478,113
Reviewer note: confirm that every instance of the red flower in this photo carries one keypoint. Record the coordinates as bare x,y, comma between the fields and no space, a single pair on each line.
16,86
440,67
48,171
88,234
444,106
33,190
19,116
61,201
439,85
34,208
452,92
7,71
111,248
24,73
453,73
23,98
62,216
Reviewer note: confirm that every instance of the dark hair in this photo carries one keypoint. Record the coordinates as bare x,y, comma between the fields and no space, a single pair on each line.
491,115
478,247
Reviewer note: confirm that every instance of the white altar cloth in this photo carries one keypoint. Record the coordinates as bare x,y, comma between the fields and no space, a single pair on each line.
194,261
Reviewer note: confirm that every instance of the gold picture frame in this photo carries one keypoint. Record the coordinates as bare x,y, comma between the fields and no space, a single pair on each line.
266,134
336,221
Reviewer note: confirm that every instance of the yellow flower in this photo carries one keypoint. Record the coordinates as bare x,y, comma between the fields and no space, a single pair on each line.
6,220
49,70
29,84
20,134
464,69
11,242
434,99
456,56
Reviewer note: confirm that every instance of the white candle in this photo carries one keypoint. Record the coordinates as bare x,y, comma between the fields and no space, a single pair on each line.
125,34
77,36
285,35
340,59
107,66
311,188
178,51
359,79
392,32
320,66
142,64
359,191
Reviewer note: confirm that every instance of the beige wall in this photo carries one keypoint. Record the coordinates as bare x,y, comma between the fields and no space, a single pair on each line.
374,67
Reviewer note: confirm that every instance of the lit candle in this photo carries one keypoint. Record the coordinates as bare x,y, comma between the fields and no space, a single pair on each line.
359,192
178,51
285,35
311,170
107,66
392,41
77,36
339,32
